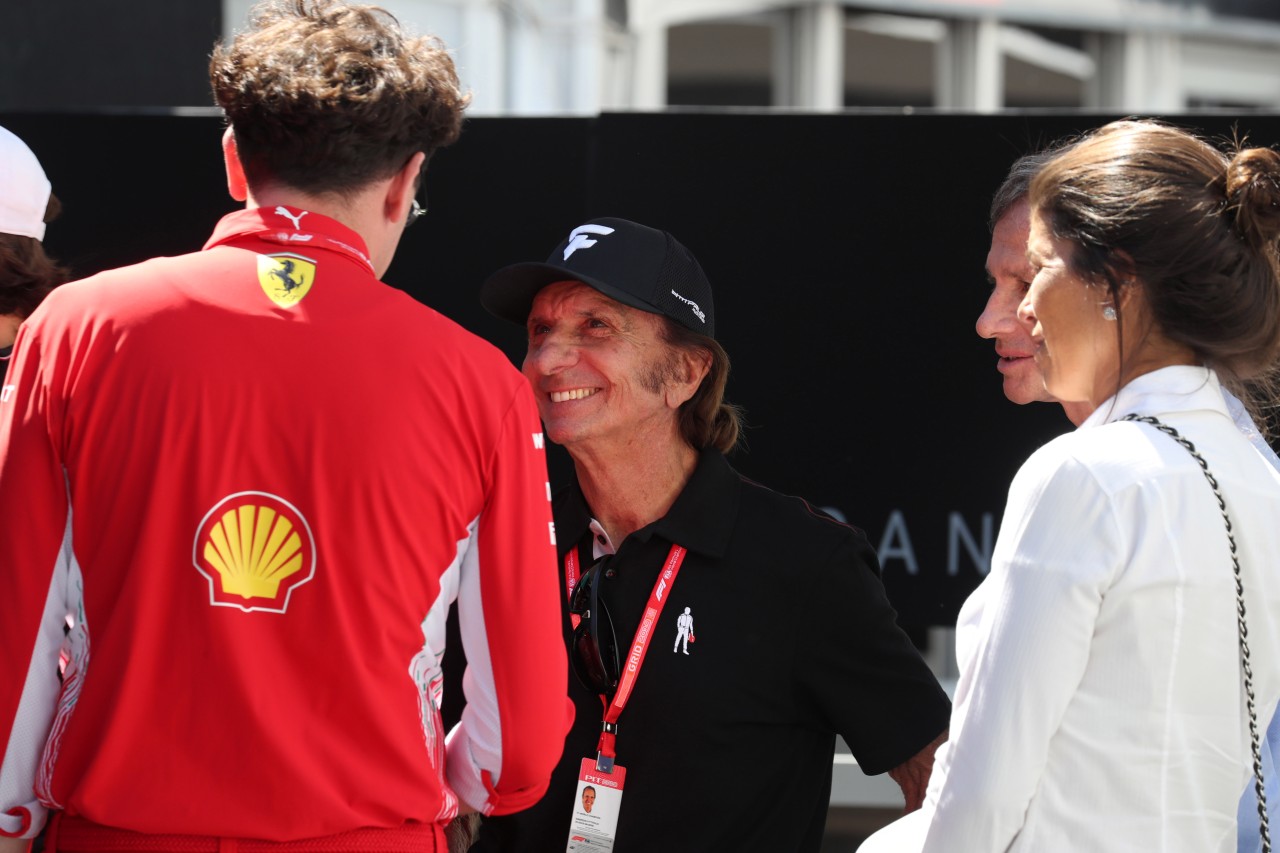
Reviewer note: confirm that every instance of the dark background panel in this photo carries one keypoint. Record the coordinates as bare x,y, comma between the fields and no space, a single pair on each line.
847,254
1250,8
495,198
67,54
131,186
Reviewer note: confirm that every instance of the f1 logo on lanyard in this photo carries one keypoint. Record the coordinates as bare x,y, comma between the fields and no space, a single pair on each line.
600,779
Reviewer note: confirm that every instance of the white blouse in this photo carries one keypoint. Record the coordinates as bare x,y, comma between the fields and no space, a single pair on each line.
1099,706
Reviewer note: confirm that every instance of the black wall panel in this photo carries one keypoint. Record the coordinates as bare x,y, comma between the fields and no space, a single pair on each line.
66,54
847,253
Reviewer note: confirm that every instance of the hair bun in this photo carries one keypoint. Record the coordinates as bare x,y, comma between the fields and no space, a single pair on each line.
1253,194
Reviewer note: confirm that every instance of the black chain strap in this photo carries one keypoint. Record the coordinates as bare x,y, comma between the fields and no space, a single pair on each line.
1242,629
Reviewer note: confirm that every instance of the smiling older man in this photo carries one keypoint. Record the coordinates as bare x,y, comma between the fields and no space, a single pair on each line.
728,746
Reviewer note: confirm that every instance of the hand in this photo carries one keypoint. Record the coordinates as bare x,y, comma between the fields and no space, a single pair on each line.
912,775
461,831
14,845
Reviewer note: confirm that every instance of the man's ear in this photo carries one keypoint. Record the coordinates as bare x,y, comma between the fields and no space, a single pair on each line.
237,186
402,188
692,367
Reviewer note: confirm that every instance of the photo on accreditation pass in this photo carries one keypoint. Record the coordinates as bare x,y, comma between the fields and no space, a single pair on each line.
595,818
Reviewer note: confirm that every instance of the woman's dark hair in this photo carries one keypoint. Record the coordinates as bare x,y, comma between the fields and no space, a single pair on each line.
27,274
1197,229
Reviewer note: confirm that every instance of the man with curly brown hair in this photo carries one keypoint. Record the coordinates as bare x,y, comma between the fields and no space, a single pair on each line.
258,478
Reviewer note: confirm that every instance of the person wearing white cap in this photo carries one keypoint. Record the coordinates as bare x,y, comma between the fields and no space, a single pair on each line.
27,274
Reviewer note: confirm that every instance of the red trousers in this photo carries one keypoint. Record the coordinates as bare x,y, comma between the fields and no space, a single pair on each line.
77,835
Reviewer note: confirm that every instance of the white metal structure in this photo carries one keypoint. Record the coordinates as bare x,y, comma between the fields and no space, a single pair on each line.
580,57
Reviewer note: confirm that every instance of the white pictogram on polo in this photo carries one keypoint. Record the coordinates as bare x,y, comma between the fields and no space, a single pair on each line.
684,632
578,238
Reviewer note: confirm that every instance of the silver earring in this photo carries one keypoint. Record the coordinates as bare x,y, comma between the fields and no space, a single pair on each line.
1108,312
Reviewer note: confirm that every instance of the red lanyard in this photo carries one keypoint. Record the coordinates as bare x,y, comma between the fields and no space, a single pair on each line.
571,582
638,649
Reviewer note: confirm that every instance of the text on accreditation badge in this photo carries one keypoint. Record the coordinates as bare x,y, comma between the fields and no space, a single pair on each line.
595,808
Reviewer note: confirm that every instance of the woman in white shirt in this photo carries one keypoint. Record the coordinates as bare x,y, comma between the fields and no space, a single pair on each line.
1100,704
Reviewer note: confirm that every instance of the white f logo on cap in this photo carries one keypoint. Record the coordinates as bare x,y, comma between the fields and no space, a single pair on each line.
578,238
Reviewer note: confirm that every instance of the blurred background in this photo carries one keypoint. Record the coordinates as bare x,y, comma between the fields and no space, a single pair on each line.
582,57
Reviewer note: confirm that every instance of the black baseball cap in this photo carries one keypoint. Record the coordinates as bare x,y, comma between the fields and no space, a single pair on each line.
632,263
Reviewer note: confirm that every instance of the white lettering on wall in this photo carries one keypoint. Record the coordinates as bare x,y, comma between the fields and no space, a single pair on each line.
962,545
958,534
895,544
834,513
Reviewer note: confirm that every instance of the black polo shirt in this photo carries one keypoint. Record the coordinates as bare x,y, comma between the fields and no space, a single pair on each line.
730,746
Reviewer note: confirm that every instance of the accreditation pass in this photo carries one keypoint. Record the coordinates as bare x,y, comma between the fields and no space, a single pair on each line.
595,808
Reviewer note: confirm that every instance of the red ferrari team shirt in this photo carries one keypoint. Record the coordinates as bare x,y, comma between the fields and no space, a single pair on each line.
255,478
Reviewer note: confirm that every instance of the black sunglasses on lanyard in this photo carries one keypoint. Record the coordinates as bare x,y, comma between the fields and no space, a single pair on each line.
594,648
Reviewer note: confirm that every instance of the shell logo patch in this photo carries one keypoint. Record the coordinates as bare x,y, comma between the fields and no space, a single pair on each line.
286,277
255,549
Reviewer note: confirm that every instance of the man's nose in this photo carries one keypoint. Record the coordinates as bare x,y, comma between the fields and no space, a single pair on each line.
552,355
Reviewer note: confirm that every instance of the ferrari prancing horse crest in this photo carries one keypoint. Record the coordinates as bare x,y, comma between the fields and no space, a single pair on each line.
286,277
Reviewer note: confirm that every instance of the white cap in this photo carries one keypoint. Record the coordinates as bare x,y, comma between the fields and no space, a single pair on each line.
24,190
